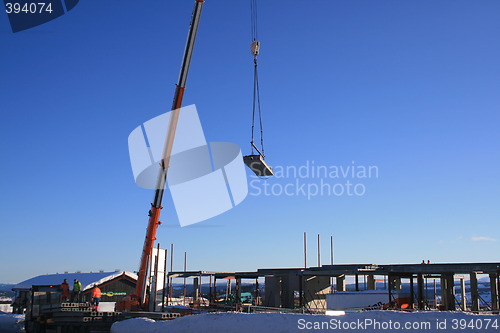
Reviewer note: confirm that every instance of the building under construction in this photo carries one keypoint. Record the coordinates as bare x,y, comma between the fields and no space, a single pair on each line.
447,287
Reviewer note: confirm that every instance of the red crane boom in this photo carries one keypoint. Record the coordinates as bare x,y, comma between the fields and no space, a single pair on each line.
154,213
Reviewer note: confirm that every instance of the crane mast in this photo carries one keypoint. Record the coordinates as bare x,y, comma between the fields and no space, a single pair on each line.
154,213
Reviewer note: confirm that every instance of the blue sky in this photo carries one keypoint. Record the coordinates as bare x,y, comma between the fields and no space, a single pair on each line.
411,87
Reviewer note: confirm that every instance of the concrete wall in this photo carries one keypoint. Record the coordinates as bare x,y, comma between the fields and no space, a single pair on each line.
272,295
315,290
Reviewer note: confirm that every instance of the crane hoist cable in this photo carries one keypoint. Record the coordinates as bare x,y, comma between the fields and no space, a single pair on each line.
255,49
256,162
253,18
256,102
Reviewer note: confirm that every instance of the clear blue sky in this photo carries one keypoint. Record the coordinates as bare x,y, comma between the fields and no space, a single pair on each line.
411,87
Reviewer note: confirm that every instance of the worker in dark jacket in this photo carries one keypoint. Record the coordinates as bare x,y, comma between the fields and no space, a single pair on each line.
64,291
77,289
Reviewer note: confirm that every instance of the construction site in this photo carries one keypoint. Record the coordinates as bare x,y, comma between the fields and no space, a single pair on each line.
313,290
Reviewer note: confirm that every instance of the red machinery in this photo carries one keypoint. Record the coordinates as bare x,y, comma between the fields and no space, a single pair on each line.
139,300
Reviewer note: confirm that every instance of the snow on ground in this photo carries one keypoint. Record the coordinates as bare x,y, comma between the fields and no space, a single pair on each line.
10,323
366,322
369,322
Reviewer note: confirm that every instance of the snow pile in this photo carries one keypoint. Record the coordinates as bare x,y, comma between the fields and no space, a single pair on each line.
7,308
370,321
10,323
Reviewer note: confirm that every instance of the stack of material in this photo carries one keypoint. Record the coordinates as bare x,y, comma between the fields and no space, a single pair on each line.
73,315
79,314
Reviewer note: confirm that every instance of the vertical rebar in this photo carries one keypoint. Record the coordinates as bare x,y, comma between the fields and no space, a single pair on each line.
319,253
171,270
165,266
305,250
155,291
331,250
185,269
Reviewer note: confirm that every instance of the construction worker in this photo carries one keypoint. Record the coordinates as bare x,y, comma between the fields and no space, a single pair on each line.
64,291
96,297
77,289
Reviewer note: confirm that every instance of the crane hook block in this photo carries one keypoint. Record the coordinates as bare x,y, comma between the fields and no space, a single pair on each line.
255,48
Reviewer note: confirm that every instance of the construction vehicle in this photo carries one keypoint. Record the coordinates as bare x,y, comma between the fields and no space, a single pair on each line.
245,299
140,299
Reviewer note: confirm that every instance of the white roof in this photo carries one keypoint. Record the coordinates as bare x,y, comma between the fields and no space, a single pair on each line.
87,279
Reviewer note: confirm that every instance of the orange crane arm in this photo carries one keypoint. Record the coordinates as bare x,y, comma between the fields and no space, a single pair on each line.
154,213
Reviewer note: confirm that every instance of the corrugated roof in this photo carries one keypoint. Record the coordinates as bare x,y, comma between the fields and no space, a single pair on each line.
87,279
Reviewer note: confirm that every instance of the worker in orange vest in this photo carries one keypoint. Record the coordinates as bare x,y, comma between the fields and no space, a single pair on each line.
64,291
96,297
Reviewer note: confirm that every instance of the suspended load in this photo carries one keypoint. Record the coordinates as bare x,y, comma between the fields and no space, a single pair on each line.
254,161
257,164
